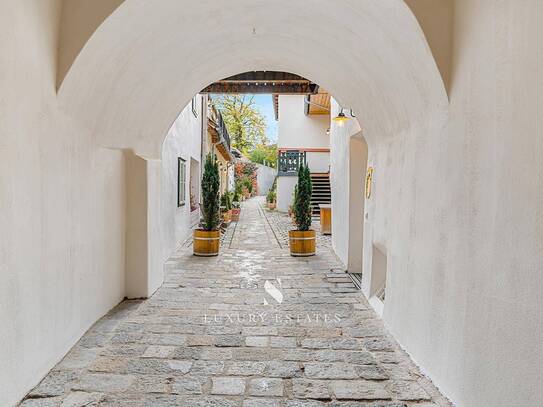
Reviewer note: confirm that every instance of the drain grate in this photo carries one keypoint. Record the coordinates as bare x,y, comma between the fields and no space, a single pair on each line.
381,293
356,279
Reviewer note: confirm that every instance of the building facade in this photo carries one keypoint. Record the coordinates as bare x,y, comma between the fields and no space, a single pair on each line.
303,136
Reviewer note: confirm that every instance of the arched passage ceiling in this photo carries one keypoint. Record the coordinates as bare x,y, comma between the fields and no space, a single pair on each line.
145,61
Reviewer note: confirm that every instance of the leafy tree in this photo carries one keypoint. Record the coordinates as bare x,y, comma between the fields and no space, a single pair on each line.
245,123
264,154
302,202
210,194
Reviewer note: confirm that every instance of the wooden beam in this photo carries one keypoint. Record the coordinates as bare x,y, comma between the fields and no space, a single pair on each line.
303,149
260,76
250,87
264,82
275,98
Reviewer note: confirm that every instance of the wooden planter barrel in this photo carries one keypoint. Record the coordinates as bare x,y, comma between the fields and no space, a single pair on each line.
302,244
206,243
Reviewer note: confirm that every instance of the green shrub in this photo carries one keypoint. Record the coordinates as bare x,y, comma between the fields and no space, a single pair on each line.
302,199
248,183
271,197
210,194
238,187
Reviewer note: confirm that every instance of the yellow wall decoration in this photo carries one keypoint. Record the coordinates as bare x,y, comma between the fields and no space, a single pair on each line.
369,179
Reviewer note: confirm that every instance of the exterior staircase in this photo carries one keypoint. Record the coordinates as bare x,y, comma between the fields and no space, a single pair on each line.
321,191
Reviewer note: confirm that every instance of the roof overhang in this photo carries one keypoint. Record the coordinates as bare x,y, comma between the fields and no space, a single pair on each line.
255,82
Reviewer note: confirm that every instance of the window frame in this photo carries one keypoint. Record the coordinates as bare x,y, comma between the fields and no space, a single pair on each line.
181,182
194,106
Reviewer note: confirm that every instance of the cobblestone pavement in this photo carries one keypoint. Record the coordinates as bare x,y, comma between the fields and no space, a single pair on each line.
281,223
253,327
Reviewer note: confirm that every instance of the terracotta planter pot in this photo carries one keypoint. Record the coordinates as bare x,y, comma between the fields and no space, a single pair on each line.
235,214
302,244
206,243
227,216
271,205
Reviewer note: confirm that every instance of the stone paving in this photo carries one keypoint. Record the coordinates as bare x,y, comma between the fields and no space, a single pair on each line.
253,327
281,224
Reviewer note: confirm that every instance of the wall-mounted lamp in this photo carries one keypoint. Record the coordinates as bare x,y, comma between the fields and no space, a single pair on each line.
341,118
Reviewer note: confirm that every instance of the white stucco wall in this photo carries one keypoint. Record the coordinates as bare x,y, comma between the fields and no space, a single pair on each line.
318,161
62,208
469,204
231,177
295,129
340,179
184,141
285,191
456,207
264,177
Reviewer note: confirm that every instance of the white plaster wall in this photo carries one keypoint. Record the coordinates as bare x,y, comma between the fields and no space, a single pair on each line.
62,207
285,191
231,177
358,161
295,129
340,162
265,177
184,141
318,161
458,204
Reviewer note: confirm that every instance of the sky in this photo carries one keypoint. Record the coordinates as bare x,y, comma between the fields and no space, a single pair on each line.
264,103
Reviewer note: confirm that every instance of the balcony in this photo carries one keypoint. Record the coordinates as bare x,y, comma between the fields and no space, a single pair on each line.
288,162
218,131
223,131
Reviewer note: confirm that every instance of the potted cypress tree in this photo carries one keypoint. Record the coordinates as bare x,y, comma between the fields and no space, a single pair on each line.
303,239
206,240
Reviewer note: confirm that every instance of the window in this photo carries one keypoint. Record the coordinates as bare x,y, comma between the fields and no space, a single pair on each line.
378,281
194,106
181,182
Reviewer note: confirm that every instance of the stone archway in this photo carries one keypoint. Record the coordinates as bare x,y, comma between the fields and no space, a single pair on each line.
141,64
